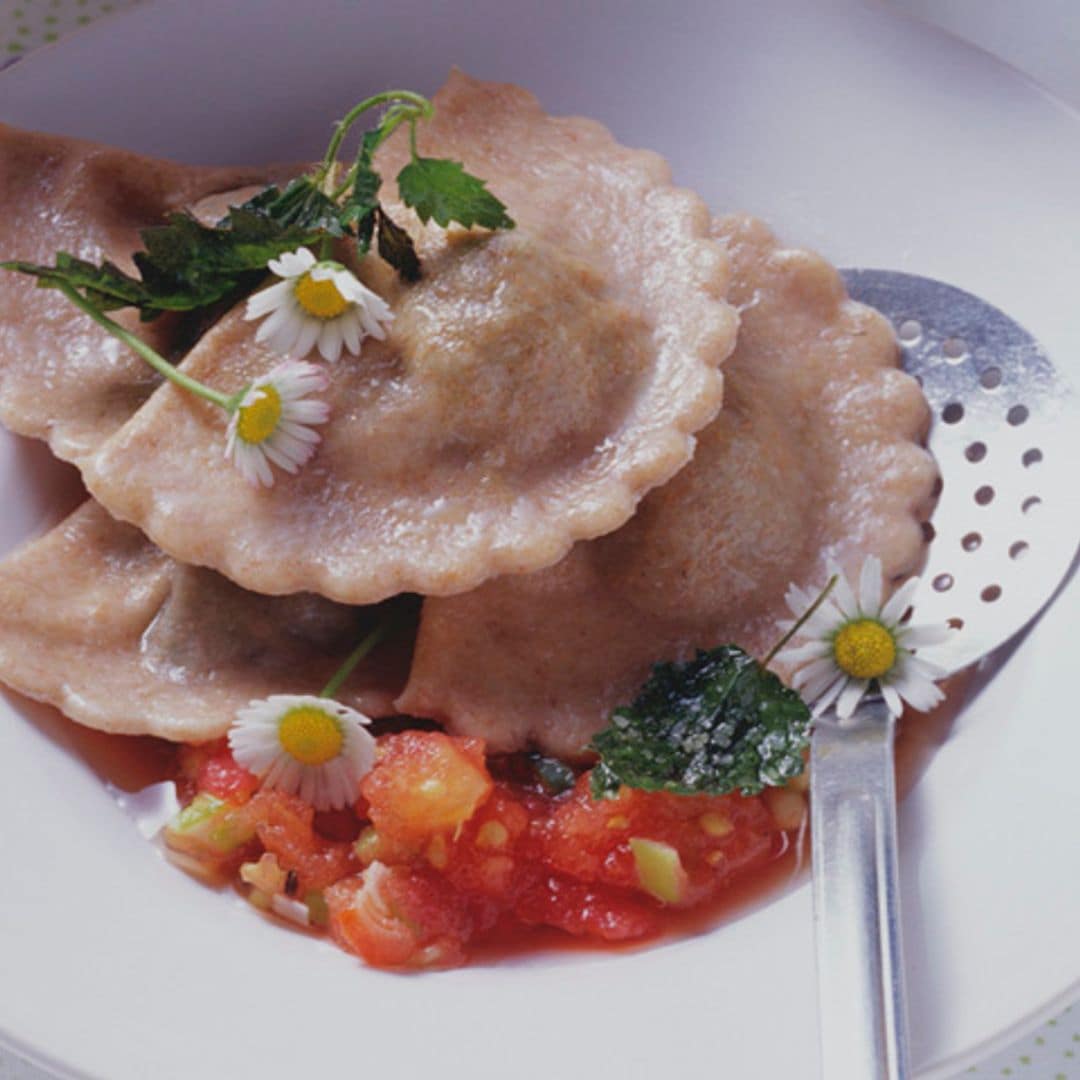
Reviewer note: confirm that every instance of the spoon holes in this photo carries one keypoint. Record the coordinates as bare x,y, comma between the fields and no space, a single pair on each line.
1032,457
1019,549
990,594
939,486
990,379
984,495
953,413
928,532
910,330
1030,504
955,622
1017,415
954,349
943,582
975,451
971,541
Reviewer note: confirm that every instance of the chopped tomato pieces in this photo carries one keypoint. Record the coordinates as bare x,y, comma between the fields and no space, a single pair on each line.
436,854
285,826
425,783
399,916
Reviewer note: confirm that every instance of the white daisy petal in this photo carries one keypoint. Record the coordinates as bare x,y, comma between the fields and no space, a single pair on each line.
920,693
811,650
266,300
921,667
350,333
870,586
306,338
330,341
280,318
892,699
299,317
830,693
843,595
850,697
274,422
899,602
260,741
916,637
860,623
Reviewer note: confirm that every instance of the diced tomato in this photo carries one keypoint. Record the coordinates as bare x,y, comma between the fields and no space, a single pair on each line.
586,910
435,853
221,775
425,783
398,916
715,836
284,825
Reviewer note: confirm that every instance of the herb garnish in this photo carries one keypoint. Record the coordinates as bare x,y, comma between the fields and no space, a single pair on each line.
705,727
711,725
188,265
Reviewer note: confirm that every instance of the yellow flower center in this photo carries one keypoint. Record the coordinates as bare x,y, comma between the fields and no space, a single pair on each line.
259,420
865,649
320,298
310,734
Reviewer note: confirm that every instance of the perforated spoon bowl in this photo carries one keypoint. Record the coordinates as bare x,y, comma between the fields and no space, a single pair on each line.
1003,537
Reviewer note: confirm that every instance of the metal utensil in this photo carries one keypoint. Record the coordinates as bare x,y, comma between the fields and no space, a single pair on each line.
1002,538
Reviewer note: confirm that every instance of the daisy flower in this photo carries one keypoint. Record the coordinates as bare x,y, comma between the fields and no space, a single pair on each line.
316,303
305,745
854,643
272,422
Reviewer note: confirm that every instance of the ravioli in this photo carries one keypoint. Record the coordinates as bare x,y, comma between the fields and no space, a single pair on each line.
103,625
816,454
62,377
533,386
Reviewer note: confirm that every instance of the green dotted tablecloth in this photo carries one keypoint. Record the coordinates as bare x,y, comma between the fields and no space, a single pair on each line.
26,24
1050,1053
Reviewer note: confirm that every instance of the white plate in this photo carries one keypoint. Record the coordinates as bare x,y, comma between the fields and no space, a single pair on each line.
877,140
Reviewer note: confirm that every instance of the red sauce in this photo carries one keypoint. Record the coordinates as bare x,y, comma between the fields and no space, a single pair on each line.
562,879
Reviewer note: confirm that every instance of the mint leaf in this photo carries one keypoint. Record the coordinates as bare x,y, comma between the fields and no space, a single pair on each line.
705,727
396,247
443,190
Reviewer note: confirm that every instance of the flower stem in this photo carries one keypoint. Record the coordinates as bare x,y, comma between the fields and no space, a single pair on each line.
421,108
354,658
801,621
154,359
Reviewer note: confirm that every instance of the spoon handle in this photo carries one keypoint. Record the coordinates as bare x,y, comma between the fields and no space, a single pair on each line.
856,899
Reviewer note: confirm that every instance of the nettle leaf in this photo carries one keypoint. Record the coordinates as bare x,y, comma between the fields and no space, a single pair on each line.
443,190
301,204
714,724
188,265
107,285
396,247
362,199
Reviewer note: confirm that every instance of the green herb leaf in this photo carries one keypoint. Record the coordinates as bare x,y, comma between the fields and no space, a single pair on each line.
301,204
396,247
188,265
443,190
106,285
705,727
362,198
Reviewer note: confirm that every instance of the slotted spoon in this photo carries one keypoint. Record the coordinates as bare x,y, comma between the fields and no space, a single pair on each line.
1003,536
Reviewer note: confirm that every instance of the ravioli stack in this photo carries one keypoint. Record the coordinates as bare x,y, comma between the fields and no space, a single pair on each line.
538,449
